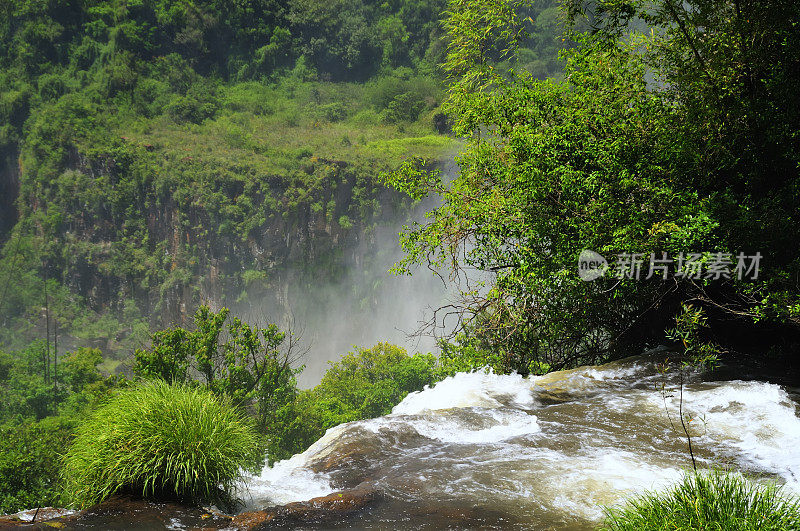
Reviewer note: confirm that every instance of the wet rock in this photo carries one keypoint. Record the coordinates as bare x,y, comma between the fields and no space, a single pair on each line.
121,512
32,516
132,513
314,511
126,512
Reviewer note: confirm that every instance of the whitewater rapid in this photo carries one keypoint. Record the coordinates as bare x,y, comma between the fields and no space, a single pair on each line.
480,449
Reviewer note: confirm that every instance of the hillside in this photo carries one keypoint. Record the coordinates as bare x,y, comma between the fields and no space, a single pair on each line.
158,155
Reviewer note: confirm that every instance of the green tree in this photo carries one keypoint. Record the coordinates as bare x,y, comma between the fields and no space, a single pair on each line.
365,383
609,161
249,364
30,454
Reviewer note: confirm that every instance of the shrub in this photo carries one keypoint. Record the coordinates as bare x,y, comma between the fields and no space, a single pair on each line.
364,384
150,96
51,86
708,501
160,440
29,463
366,117
406,106
332,112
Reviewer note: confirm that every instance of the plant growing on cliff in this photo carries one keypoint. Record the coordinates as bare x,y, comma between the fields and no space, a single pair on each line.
160,440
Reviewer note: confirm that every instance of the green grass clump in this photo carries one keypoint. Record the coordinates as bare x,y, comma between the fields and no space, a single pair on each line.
160,440
708,501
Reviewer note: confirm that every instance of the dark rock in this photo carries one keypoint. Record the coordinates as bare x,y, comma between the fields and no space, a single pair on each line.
314,511
129,512
26,518
123,512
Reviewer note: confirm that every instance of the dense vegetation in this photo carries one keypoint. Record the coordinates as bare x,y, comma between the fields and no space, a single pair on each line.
38,420
254,368
155,156
158,155
682,139
193,382
166,154
708,501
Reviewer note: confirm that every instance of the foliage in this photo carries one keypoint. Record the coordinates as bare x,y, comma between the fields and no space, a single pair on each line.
239,177
369,382
158,439
37,419
29,463
688,326
244,40
242,362
162,146
166,151
464,354
607,161
708,501
365,383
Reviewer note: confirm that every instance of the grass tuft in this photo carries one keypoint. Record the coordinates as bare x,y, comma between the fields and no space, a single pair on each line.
712,500
160,440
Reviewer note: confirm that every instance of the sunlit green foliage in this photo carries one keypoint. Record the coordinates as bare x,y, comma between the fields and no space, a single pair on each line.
162,149
708,501
30,454
250,365
178,198
163,440
166,146
39,410
464,354
366,383
610,161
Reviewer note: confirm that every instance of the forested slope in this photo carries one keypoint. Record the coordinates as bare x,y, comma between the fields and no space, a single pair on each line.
159,154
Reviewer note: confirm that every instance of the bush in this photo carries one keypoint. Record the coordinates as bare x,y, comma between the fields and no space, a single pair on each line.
29,463
371,381
160,440
189,109
332,112
365,384
708,501
404,107
151,96
465,354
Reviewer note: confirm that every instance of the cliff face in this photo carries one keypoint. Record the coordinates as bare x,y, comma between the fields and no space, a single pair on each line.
132,235
9,190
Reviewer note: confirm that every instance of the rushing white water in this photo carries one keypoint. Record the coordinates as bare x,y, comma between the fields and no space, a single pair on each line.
486,450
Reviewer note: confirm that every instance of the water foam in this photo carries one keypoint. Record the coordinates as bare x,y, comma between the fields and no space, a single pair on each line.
489,440
757,418
469,389
586,483
498,425
292,480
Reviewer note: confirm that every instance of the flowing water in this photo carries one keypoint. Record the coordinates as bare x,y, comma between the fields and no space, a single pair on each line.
548,452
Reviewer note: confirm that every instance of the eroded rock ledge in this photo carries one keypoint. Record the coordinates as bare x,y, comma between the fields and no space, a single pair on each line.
127,512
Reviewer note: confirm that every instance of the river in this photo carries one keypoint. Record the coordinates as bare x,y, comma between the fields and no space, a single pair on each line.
544,452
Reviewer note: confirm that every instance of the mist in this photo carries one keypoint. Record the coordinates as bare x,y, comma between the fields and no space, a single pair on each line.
366,305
